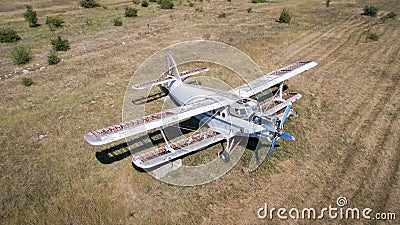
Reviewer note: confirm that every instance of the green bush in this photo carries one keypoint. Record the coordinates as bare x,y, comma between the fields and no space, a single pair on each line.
117,22
372,37
166,4
21,55
52,58
136,1
284,17
258,1
130,12
249,10
370,10
145,3
54,22
89,3
191,4
222,15
327,3
152,0
60,44
390,15
30,16
8,36
27,81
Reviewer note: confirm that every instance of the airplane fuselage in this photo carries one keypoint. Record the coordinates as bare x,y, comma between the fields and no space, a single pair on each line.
221,120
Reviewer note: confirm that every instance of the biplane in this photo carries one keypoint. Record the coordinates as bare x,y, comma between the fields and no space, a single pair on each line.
227,115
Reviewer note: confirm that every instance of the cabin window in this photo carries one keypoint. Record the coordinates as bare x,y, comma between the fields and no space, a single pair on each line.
223,115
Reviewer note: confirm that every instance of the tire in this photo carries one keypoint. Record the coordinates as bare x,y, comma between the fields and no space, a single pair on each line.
224,156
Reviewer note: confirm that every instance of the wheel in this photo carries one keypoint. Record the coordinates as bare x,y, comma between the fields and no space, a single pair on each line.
224,156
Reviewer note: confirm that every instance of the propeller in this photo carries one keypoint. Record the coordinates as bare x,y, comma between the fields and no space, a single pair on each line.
280,132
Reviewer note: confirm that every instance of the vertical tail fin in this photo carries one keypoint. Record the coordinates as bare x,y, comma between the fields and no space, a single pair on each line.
172,69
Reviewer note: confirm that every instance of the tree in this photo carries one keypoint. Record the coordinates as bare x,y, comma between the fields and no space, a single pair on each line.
30,16
284,17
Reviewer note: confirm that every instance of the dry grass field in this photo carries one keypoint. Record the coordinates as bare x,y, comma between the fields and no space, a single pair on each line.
346,125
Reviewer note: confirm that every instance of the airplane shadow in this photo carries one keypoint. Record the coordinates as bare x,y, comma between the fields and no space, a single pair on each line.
123,150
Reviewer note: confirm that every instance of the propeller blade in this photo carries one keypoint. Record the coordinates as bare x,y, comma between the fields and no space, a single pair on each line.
272,146
285,116
287,136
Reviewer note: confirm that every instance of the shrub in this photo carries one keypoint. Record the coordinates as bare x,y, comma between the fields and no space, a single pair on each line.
166,4
89,22
327,3
199,9
222,15
390,15
117,22
284,17
136,1
8,36
89,3
27,81
60,44
145,3
152,0
258,1
54,21
52,58
130,12
191,4
249,10
372,37
21,55
370,10
30,16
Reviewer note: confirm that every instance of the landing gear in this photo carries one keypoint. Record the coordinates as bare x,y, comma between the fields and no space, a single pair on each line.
224,155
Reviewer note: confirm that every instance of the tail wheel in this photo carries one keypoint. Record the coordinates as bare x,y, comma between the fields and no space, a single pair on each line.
224,155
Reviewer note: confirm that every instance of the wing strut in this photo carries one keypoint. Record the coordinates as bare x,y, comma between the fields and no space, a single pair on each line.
166,140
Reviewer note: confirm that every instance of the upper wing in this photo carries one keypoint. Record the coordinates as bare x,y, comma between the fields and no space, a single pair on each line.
273,78
136,126
166,79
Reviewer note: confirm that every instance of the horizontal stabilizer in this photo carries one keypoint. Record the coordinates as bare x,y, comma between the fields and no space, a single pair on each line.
166,78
